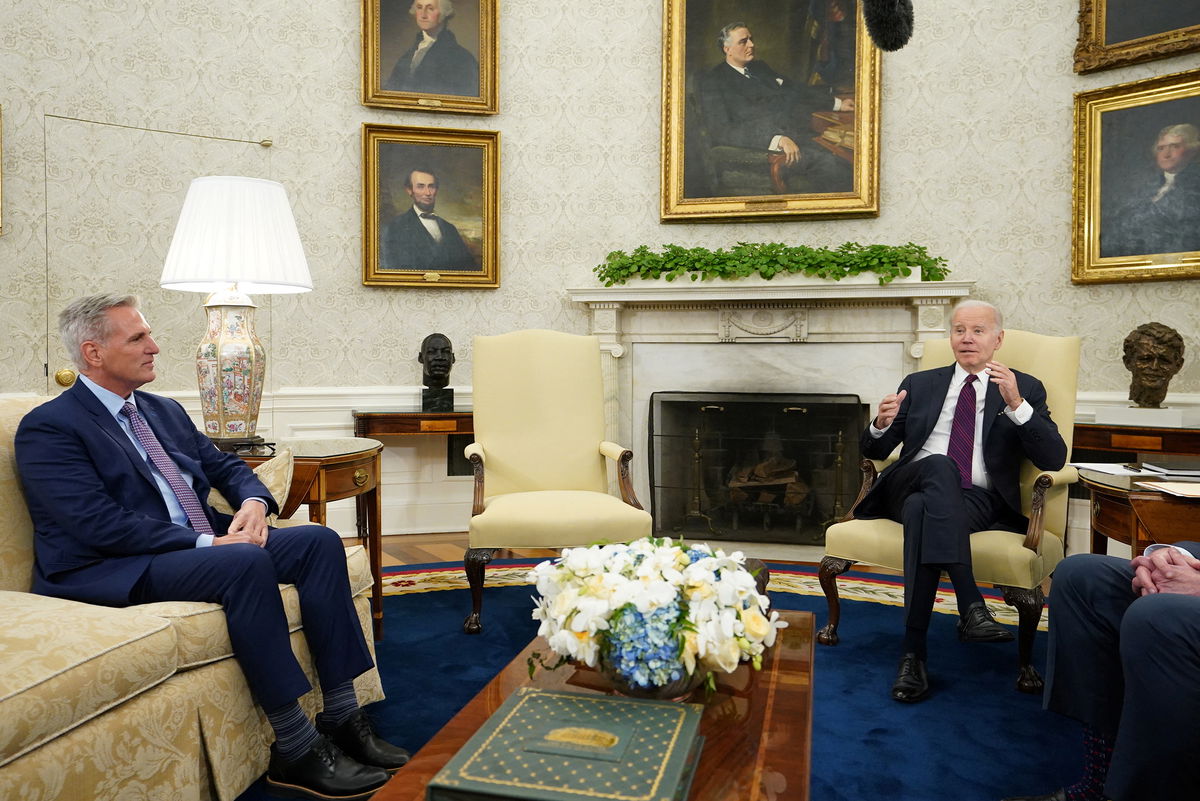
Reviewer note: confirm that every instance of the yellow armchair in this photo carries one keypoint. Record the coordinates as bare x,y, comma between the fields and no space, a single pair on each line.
539,456
1016,563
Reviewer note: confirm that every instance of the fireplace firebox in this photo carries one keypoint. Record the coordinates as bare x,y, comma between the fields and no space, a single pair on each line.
764,467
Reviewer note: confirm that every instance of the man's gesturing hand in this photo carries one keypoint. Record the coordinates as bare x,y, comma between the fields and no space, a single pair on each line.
888,407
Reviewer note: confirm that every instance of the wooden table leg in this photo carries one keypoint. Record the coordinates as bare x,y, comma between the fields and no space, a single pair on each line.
371,503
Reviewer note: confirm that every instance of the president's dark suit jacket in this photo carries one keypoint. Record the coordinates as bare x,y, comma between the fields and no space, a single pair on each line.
407,245
1004,442
447,69
98,515
748,112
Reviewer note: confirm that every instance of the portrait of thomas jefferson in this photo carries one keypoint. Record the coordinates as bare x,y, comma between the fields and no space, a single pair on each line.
1150,179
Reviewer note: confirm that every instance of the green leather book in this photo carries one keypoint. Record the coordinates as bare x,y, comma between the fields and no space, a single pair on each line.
544,745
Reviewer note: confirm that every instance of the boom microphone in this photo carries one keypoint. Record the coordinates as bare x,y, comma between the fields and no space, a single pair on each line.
890,22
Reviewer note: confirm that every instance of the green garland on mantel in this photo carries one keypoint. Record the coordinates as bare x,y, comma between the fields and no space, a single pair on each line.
768,259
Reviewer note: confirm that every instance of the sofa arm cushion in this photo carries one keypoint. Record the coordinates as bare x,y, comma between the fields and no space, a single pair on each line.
63,663
276,473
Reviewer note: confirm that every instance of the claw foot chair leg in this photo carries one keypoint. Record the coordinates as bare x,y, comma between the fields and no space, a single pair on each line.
474,563
831,568
1028,604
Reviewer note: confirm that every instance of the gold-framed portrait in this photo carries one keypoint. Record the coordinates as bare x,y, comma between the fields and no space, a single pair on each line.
1136,195
430,55
430,207
770,110
1113,33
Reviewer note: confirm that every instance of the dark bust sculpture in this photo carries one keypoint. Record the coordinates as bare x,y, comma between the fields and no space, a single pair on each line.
1153,354
436,357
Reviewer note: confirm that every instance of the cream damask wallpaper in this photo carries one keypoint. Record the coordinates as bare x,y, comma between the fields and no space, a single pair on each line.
111,107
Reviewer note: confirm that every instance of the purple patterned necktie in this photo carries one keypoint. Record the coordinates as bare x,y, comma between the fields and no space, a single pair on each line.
962,431
154,450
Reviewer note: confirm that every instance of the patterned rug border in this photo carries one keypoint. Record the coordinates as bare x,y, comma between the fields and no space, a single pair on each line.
795,579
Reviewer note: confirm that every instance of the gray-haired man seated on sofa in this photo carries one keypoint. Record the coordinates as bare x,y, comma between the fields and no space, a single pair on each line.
115,481
1125,661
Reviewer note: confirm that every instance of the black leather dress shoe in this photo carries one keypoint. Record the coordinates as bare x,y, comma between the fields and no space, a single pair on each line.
357,738
912,682
1057,795
323,773
978,625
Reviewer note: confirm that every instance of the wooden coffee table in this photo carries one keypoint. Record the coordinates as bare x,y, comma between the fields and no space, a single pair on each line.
757,725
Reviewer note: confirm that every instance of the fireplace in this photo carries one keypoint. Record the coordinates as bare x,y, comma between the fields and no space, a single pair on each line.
770,467
855,339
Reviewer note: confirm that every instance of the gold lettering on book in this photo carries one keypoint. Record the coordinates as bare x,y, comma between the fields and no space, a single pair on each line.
578,735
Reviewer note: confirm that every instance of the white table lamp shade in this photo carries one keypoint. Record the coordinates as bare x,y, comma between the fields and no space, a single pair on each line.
235,236
235,230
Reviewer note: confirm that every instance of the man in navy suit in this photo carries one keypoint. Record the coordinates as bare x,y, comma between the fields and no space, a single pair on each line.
117,482
1123,660
745,103
964,430
418,239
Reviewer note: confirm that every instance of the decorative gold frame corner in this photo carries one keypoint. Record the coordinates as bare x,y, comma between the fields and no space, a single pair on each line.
486,102
862,201
1092,53
1087,265
452,144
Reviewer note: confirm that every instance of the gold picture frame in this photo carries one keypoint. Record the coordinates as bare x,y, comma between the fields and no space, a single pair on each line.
458,73
1130,222
410,173
1113,33
715,166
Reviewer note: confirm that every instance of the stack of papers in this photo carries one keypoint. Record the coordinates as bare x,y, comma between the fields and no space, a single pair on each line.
1182,489
1174,467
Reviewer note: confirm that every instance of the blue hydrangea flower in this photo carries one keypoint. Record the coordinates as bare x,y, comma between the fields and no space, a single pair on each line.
645,649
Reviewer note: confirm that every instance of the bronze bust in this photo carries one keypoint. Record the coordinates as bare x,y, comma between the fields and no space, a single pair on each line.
1153,354
436,357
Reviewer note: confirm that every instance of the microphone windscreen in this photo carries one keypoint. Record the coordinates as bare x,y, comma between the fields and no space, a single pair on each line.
890,22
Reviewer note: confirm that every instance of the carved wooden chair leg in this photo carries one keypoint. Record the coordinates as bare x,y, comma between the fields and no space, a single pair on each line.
831,568
475,561
1028,604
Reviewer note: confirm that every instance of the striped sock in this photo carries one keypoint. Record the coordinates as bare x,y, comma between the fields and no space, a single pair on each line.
1097,753
294,732
340,703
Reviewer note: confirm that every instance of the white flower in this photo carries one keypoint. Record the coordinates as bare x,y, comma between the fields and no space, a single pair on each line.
725,619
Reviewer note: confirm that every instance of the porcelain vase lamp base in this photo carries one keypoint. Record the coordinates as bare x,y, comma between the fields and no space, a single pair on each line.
231,369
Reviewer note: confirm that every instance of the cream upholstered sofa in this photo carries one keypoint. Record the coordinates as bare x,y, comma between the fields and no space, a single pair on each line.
144,702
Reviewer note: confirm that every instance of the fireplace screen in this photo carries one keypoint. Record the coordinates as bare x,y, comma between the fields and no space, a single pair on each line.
766,467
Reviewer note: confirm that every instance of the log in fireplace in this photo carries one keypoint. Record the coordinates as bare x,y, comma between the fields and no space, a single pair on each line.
765,467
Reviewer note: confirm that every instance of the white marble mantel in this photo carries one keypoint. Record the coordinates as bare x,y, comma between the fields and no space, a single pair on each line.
753,335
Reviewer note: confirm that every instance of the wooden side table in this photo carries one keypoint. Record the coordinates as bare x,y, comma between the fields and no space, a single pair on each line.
1124,442
379,424
1135,515
332,469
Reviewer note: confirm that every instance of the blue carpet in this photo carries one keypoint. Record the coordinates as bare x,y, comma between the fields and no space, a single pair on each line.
975,739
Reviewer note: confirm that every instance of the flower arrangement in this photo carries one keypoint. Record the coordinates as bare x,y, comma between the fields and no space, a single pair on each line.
653,612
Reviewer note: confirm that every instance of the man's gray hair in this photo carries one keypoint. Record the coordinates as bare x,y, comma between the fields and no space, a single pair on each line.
1188,132
87,319
980,304
724,36
445,6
